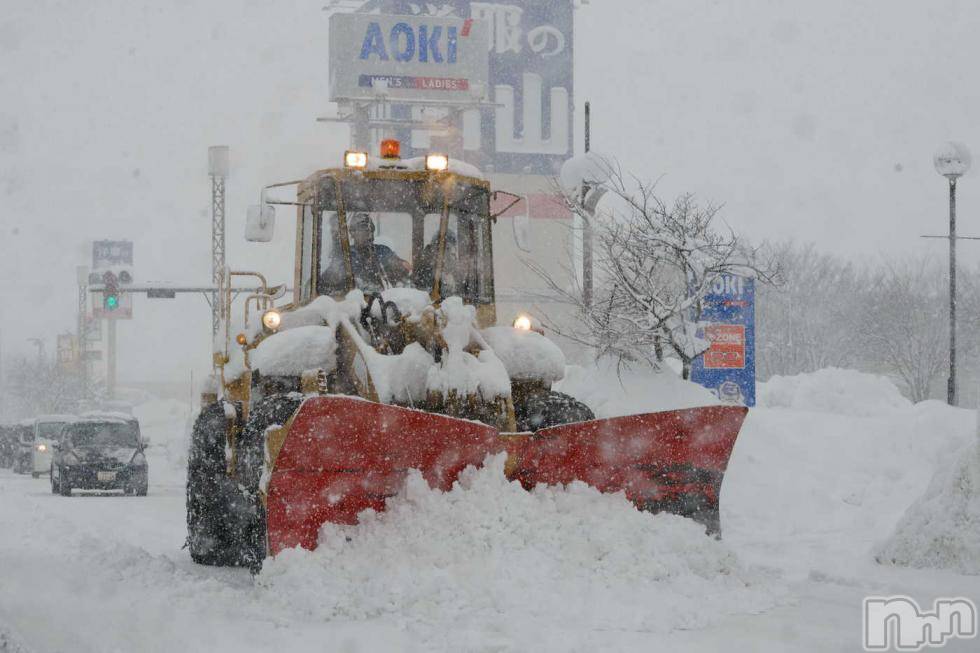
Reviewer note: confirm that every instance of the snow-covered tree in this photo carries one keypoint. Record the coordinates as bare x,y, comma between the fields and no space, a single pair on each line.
809,320
904,323
655,262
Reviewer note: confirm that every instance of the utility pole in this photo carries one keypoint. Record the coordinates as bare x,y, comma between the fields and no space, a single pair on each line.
218,171
81,273
110,366
37,342
587,233
2,384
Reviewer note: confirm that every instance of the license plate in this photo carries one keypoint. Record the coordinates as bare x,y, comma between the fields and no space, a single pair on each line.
107,476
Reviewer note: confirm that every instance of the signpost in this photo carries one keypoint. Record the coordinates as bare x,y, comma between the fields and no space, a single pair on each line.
727,368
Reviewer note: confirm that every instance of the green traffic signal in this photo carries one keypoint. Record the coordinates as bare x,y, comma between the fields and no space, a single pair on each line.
111,302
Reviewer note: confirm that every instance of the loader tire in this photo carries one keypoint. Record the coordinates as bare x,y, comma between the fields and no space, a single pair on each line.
546,409
250,537
209,490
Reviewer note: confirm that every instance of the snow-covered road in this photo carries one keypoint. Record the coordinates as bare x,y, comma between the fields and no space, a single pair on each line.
808,495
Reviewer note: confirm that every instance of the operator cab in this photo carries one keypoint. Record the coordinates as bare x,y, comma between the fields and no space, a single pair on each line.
393,223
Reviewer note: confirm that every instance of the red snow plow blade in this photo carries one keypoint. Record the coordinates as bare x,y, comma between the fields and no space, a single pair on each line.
344,455
673,461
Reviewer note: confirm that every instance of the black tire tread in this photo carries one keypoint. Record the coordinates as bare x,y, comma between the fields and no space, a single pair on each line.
547,409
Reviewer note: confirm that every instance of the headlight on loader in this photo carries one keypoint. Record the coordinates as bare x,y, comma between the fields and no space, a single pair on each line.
271,320
437,162
356,160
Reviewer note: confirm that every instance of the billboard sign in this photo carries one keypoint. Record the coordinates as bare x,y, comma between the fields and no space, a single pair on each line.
727,368
111,253
407,57
529,43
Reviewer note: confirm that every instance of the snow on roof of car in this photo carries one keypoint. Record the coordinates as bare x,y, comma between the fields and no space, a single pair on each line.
109,413
107,419
55,418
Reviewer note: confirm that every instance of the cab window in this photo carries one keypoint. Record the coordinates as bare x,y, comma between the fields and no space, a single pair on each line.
397,244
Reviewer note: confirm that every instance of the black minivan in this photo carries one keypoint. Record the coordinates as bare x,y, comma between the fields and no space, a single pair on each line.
100,453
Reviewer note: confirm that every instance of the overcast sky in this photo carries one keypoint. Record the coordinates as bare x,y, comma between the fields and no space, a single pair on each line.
808,120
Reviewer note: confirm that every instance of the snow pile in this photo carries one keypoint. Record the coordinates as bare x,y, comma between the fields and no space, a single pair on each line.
526,354
591,168
612,392
462,372
833,390
401,377
541,561
324,310
410,301
818,490
167,425
942,529
292,352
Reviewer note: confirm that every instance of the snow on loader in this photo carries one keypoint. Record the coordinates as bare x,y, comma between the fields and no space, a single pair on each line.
388,358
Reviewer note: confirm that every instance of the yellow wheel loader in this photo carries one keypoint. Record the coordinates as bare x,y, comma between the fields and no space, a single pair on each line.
388,358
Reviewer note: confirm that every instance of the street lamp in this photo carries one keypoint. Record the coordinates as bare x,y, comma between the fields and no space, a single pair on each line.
952,160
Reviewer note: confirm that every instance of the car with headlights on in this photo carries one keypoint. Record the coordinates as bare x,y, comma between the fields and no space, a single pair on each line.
46,431
100,453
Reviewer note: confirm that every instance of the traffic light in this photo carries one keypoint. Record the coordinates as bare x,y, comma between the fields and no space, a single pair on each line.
110,294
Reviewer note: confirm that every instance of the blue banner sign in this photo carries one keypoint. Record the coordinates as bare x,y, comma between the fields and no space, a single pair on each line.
727,368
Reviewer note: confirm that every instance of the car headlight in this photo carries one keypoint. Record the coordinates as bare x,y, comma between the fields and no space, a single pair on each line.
523,322
42,448
139,460
70,458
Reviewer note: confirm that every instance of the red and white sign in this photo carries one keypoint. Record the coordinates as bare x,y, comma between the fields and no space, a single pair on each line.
727,350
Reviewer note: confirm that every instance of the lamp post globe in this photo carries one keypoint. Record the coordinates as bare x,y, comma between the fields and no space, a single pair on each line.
952,160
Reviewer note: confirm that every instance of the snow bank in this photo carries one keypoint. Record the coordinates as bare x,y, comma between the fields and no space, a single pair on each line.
292,352
612,393
833,390
820,490
488,550
942,529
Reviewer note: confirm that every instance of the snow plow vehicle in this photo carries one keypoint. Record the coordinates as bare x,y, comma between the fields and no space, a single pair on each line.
388,358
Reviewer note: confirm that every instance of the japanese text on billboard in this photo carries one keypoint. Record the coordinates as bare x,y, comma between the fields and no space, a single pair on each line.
529,43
